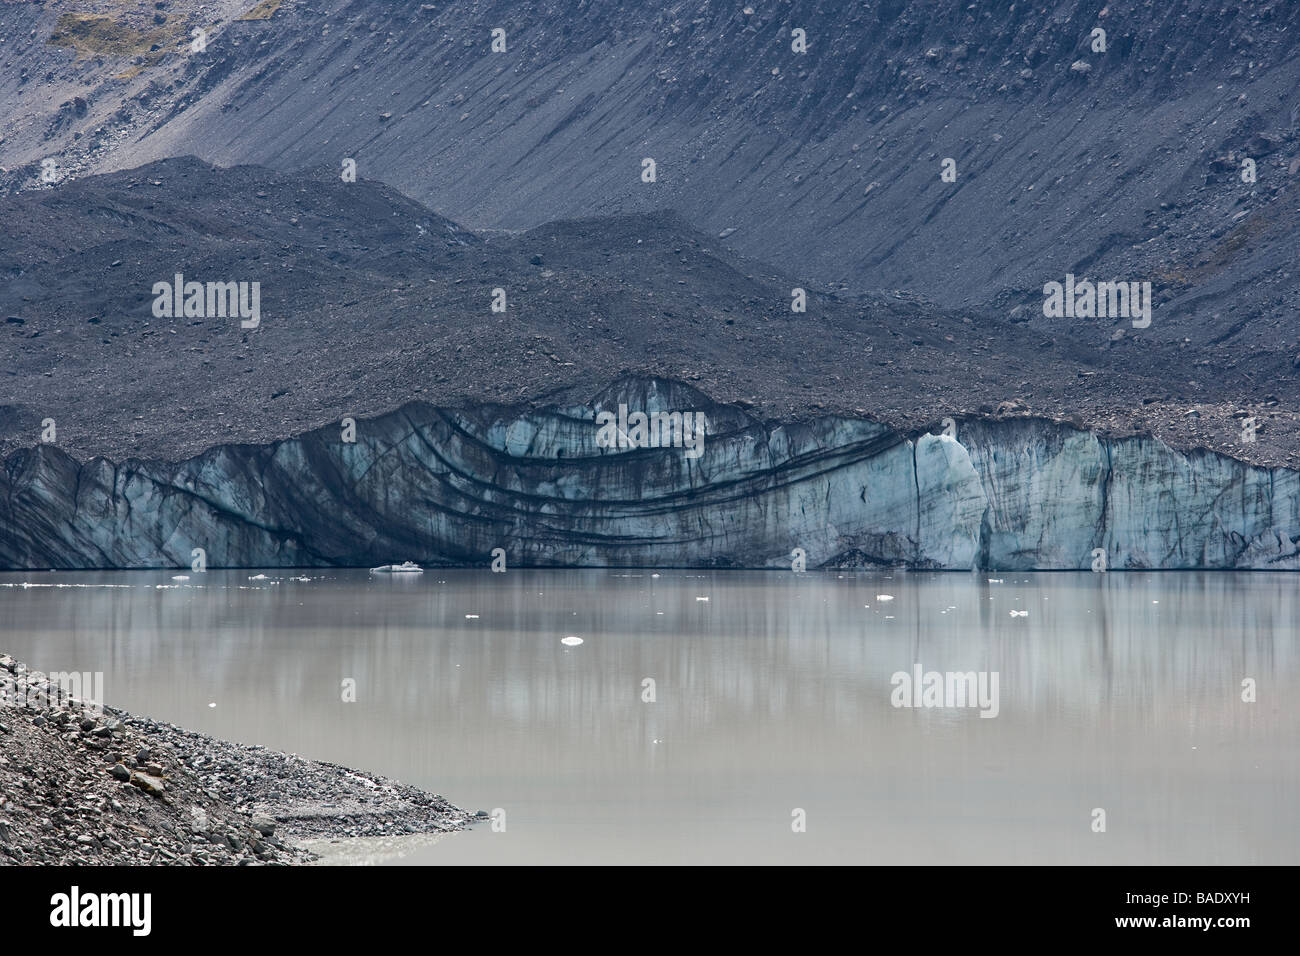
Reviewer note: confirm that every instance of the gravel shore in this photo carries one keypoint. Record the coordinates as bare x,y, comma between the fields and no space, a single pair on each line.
87,785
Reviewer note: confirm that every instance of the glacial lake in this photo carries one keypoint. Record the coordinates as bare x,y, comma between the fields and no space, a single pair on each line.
773,693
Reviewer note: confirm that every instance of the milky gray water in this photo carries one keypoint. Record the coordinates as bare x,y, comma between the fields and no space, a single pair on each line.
1119,692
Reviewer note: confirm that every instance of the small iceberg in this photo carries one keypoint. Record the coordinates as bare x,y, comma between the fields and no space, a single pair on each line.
406,567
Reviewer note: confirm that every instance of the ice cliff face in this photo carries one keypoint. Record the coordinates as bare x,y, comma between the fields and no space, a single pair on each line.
445,486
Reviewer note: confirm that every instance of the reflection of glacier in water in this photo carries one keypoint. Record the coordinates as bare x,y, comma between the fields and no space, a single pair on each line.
1119,691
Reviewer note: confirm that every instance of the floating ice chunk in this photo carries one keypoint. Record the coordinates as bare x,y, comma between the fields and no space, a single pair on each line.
257,577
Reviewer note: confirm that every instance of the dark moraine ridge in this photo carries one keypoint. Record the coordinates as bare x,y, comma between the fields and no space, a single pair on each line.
369,300
449,486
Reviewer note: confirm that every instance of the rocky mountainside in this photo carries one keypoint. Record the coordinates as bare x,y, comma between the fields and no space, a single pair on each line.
503,253
1117,162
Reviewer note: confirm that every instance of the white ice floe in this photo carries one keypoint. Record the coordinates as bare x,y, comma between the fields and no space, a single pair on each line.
33,584
406,567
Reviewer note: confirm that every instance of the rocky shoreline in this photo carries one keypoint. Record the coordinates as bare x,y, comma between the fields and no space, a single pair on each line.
82,784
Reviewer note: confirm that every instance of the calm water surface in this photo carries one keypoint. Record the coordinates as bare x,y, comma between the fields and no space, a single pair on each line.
1116,691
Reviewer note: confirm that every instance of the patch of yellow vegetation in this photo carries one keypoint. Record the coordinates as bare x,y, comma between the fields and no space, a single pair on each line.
92,35
263,11
1223,256
1174,275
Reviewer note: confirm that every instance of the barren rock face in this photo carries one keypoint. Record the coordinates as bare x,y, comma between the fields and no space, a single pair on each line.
451,486
1125,159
